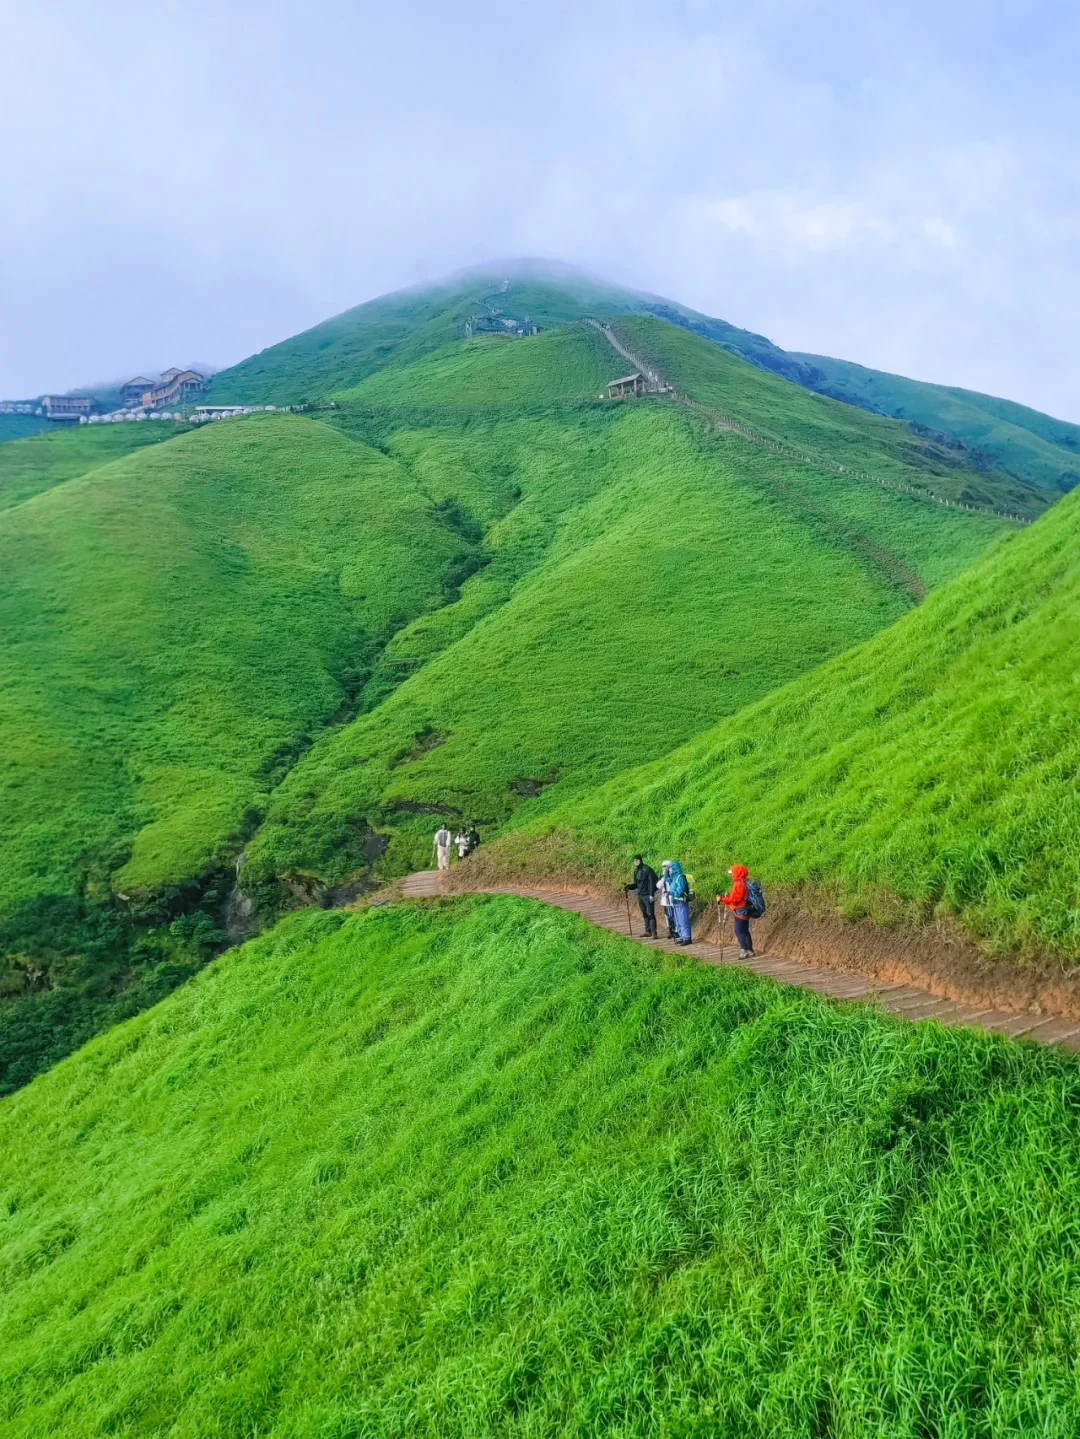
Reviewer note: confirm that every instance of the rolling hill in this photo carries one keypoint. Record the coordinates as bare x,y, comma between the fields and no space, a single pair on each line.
928,774
175,625
465,585
662,543
394,330
480,1171
29,466
1023,441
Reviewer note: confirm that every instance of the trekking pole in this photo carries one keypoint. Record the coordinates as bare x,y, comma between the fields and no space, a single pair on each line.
629,926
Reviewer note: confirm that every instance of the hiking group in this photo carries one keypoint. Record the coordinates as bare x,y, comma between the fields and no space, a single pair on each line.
465,841
670,889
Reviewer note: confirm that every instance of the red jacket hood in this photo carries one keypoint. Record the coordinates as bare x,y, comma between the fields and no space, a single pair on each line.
739,871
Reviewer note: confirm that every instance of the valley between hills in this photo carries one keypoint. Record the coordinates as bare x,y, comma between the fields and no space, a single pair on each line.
283,1158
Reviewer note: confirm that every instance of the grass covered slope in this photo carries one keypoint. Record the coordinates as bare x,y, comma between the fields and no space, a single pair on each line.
174,628
609,623
29,466
493,370
931,772
1027,443
479,1171
827,428
396,330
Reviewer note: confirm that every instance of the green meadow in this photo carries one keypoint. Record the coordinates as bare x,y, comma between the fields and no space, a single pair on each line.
928,774
473,1167
1019,439
480,1170
175,627
31,465
469,588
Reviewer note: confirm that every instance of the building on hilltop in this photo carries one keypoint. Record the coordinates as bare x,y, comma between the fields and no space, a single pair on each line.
174,388
133,391
67,409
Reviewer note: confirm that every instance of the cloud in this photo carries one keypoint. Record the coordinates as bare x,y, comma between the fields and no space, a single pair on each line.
893,184
798,222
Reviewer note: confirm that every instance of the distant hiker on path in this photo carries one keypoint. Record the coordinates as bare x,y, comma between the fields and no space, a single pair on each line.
663,899
741,902
461,840
644,882
441,845
679,891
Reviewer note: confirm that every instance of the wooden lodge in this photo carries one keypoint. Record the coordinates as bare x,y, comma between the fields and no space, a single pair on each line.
68,409
133,391
629,385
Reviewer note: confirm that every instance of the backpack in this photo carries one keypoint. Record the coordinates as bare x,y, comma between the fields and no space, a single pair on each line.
755,900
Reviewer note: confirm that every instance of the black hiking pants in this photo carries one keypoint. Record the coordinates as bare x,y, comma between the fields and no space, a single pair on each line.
742,933
648,913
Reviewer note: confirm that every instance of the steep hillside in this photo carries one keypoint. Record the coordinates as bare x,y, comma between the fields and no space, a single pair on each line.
515,588
930,773
29,466
983,434
19,427
1021,440
400,328
610,622
479,1171
174,627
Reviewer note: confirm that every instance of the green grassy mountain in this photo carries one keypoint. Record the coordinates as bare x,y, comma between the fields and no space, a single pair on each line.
984,433
608,624
1023,441
480,1171
20,427
175,625
929,773
287,643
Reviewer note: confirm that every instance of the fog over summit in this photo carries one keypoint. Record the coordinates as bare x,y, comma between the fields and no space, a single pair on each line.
894,186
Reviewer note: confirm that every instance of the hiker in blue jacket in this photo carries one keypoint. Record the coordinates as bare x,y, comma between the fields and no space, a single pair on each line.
679,894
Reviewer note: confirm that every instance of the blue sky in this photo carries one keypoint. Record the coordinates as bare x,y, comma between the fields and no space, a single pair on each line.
897,184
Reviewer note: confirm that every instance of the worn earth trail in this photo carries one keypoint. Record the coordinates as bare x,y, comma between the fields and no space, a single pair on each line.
904,1001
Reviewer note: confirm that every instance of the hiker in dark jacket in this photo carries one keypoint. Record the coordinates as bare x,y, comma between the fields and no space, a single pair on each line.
644,882
736,901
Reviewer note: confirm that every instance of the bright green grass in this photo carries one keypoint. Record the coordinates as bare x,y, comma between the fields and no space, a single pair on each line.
649,580
174,628
180,625
841,433
493,370
29,466
483,1171
172,623
398,329
1023,441
931,772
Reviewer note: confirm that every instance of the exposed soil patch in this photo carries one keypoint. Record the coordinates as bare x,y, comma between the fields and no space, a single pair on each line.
931,958
424,741
530,788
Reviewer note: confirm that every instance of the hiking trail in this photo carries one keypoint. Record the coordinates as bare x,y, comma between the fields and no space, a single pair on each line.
658,385
902,1001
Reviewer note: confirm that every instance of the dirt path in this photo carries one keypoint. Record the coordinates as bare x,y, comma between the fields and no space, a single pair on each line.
905,1001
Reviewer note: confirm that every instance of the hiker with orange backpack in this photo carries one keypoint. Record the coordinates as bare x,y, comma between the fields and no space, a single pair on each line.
745,901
